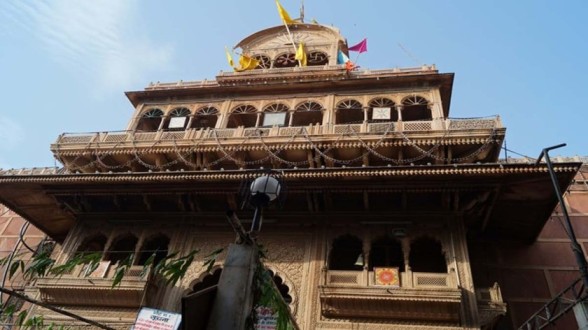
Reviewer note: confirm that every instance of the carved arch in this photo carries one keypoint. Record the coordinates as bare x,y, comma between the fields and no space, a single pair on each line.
205,116
150,120
349,111
307,113
415,107
243,115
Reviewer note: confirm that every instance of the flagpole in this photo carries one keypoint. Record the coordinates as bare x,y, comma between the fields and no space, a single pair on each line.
293,44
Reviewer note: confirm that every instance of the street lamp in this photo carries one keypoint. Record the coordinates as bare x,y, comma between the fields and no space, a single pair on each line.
263,190
235,296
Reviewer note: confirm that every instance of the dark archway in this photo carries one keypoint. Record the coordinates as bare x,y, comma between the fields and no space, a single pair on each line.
426,255
346,253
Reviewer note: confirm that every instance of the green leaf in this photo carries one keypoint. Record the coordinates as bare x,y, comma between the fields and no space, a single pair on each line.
118,276
147,264
16,264
20,318
7,312
39,266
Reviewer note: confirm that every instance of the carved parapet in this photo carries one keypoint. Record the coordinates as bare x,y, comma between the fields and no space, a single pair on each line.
420,296
96,289
490,304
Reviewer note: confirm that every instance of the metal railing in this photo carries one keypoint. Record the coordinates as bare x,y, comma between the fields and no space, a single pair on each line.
557,307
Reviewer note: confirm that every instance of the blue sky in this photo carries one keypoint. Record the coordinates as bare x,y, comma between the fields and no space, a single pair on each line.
64,65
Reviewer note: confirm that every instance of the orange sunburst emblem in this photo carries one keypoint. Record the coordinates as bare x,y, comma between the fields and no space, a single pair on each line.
387,276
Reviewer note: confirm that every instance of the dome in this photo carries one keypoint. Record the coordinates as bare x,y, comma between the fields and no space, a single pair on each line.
274,48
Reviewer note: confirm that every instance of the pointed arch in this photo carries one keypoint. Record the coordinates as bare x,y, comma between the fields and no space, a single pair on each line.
121,248
157,246
346,253
92,244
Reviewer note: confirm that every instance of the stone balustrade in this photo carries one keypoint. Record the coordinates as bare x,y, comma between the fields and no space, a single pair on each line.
376,128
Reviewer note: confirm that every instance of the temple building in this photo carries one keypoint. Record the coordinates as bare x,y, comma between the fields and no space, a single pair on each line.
395,215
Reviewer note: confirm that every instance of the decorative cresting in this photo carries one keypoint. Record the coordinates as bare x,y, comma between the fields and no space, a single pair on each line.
321,44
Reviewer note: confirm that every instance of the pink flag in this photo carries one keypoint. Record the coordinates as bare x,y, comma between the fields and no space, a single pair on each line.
361,47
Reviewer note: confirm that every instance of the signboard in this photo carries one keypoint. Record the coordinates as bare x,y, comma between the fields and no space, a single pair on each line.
266,318
154,319
387,276
381,113
177,122
274,119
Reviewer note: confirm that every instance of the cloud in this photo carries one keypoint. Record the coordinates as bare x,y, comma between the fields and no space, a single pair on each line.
101,38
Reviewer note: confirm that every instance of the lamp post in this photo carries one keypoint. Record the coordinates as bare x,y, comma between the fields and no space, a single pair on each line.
580,309
234,298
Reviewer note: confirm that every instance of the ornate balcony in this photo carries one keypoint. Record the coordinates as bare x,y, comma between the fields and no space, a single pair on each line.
419,296
95,289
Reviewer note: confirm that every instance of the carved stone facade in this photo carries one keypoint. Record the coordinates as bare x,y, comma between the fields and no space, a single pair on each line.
370,158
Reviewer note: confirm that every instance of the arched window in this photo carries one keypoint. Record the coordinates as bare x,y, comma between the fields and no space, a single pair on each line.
286,60
205,117
275,114
243,115
208,281
386,252
307,113
426,255
211,280
317,58
150,120
349,111
282,287
122,248
415,108
157,246
385,110
264,61
178,119
92,244
346,254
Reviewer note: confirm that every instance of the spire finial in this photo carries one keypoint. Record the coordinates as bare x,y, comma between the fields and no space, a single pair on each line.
302,11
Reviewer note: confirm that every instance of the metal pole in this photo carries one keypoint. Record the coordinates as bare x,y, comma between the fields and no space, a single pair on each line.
578,253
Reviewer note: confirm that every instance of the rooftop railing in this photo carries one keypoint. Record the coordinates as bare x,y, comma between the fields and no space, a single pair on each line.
376,128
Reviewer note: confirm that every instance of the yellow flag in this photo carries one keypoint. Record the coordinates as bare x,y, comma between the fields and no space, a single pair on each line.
229,57
301,55
284,14
246,63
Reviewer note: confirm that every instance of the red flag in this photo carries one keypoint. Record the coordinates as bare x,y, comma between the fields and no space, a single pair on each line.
361,47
